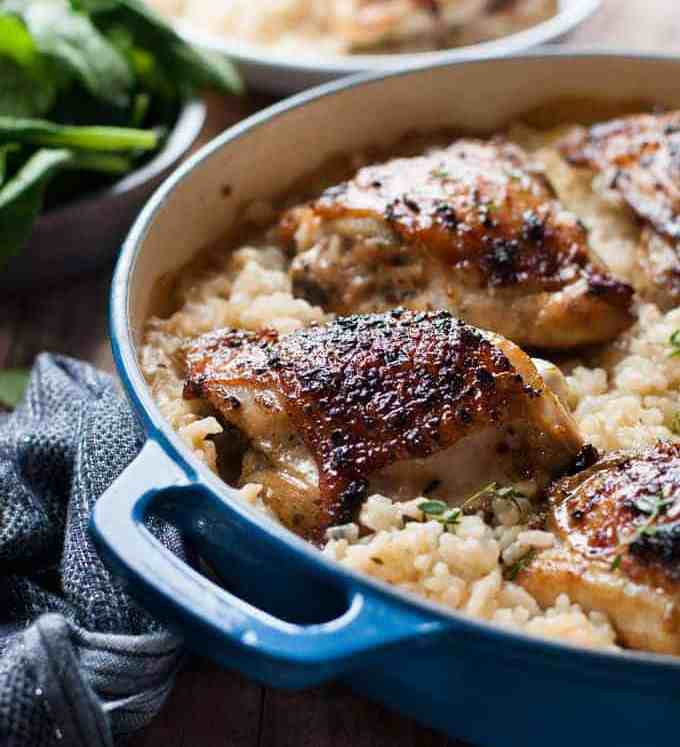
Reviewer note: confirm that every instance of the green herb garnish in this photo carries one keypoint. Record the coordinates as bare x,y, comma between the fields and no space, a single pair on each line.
494,490
86,85
674,342
450,517
21,196
433,508
440,511
513,571
507,492
653,507
42,132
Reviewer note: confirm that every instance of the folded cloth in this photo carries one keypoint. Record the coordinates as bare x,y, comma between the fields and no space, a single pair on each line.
80,662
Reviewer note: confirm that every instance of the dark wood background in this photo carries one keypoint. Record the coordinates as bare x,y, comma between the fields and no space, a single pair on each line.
209,707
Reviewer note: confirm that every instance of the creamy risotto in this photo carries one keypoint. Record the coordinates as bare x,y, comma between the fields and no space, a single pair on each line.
624,395
350,26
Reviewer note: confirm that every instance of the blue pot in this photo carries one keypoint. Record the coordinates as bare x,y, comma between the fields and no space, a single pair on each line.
281,612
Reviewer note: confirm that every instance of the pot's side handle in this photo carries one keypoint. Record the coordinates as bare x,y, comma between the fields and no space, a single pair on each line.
217,623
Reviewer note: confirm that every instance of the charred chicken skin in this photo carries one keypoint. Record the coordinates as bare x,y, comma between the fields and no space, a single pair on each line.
638,158
392,402
618,528
474,228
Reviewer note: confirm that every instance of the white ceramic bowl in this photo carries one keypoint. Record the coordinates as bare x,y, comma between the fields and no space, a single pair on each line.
266,70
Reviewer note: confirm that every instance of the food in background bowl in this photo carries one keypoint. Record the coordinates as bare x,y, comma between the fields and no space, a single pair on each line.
332,363
361,26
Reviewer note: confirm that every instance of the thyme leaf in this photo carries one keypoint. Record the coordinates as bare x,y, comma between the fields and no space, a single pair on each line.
433,508
439,511
674,342
494,490
513,571
450,517
652,507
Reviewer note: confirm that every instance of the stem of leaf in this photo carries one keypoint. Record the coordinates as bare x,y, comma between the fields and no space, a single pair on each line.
108,163
41,132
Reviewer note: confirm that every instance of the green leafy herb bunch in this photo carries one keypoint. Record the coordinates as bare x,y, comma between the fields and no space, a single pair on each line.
88,88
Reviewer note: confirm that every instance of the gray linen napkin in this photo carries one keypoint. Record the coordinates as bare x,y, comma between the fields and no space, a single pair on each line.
80,662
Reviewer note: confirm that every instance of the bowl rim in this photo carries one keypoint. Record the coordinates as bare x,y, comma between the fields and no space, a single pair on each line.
611,664
182,136
566,19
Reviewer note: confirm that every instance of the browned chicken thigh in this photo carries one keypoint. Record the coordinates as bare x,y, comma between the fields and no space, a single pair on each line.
473,228
618,529
394,402
638,158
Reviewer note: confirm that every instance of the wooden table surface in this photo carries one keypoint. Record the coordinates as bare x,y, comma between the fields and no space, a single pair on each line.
209,707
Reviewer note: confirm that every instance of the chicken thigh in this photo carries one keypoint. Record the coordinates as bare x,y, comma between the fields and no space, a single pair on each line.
401,402
618,529
637,158
473,228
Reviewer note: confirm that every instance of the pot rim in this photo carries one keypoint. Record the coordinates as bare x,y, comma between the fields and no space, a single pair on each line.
610,664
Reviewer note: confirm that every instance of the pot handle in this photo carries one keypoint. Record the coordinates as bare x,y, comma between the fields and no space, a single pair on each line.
219,624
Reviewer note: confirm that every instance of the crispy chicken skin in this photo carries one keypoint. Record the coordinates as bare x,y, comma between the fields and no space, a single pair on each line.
639,159
392,401
618,525
474,228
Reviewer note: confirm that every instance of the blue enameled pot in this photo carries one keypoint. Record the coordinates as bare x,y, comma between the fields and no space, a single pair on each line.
282,613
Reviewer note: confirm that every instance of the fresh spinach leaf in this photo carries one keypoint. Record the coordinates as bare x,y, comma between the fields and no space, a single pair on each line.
16,43
73,74
94,6
27,89
21,198
105,163
140,108
72,40
42,132
149,73
21,93
13,383
190,68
